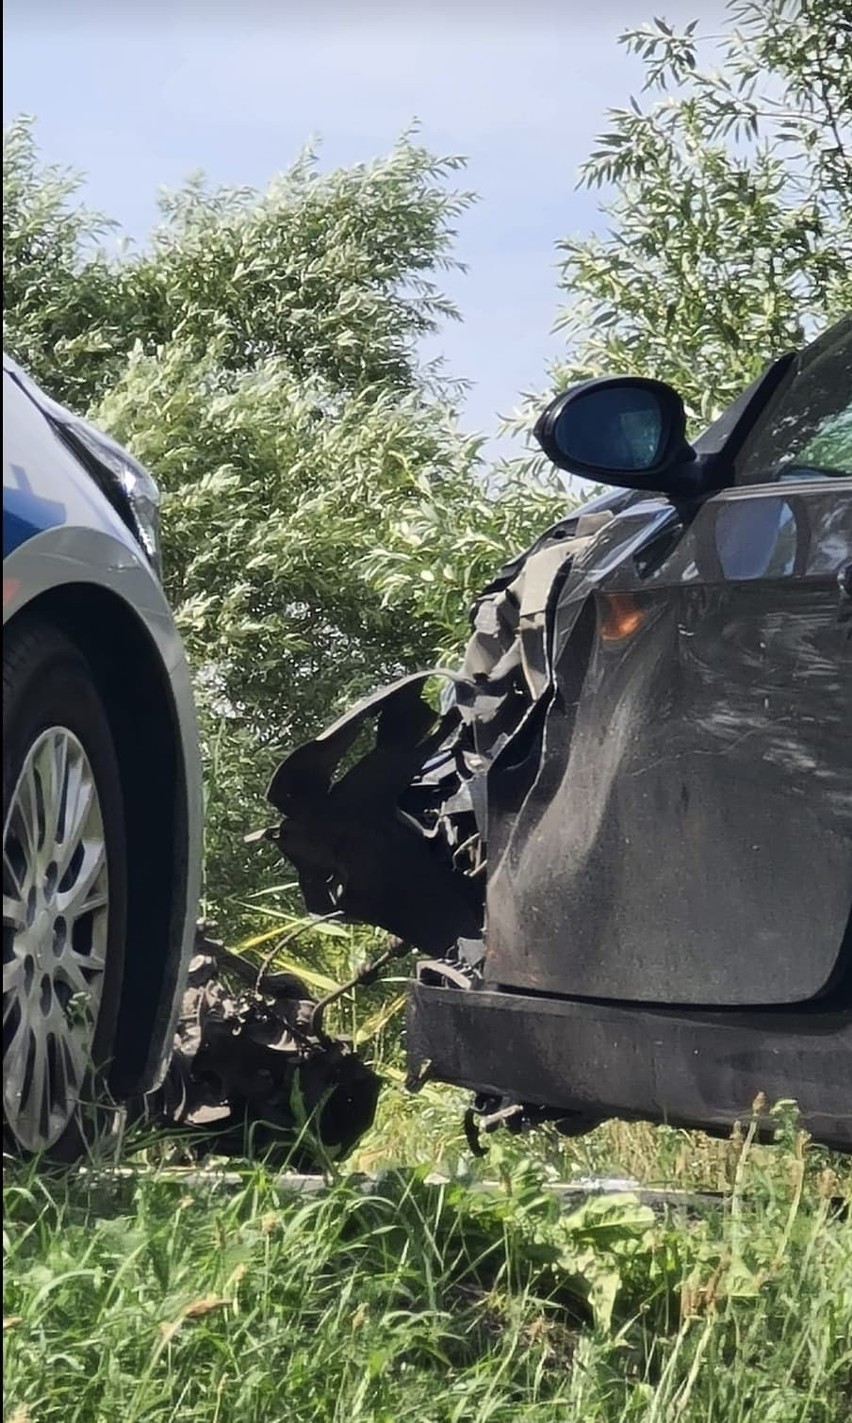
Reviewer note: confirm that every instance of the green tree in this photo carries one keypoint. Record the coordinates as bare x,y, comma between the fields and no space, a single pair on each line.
728,201
61,297
326,523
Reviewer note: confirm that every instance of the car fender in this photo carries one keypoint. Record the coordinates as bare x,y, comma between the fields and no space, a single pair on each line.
68,556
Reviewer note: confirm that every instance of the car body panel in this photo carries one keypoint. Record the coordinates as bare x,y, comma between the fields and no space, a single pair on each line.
642,781
705,746
592,1061
61,532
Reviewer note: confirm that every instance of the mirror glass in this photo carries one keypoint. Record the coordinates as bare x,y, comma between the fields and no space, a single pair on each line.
617,427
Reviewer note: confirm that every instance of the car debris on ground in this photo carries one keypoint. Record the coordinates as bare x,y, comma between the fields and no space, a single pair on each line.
254,1072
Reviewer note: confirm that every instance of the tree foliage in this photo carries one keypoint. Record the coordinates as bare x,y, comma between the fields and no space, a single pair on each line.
326,523
61,297
728,200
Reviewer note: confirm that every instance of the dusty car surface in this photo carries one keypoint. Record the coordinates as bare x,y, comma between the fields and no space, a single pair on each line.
623,843
101,777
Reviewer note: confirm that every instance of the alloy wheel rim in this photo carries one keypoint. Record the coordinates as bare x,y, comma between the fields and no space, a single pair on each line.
55,921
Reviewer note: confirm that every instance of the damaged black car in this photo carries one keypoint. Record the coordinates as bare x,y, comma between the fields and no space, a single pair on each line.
621,841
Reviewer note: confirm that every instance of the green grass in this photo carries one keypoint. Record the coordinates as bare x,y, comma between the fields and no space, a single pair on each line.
143,1299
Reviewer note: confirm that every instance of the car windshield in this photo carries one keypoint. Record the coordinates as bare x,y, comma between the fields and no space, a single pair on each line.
807,430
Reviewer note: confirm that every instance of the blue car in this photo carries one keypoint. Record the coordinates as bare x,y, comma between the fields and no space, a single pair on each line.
102,806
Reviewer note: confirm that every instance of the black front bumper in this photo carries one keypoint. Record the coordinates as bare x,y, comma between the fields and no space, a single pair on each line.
692,1069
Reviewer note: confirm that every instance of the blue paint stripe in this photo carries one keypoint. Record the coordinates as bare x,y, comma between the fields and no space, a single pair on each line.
25,514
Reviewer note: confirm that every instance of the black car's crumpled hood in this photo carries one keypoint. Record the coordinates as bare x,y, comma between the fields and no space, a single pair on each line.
397,837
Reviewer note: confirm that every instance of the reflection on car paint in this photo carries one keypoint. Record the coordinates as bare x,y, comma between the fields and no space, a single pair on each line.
756,541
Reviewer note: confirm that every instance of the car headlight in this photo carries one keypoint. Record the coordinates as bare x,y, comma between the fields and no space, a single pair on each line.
127,485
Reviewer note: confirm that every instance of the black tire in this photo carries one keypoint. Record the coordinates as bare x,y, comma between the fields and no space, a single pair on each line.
48,683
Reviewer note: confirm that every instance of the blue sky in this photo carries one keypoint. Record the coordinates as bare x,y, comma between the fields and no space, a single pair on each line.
138,96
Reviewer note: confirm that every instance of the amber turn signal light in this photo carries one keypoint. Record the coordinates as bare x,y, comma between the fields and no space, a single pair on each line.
621,618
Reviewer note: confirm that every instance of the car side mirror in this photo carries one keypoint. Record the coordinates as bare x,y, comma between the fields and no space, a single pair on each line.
621,430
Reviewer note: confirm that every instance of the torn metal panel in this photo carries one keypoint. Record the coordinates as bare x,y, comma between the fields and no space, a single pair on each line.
397,839
364,839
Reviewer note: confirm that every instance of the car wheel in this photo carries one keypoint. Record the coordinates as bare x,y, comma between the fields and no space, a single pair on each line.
64,892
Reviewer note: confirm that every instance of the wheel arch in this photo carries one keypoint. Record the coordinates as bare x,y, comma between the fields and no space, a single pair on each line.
134,685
